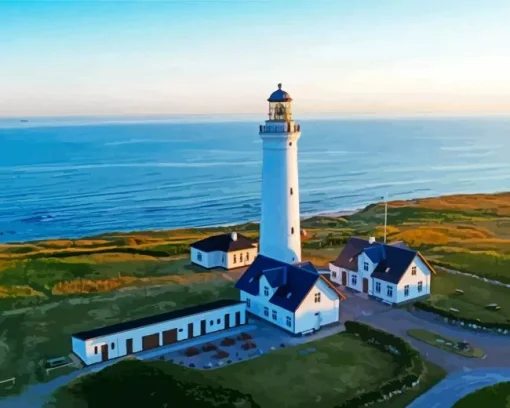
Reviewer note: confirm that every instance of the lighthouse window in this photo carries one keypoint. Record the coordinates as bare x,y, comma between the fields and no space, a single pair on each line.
292,230
290,144
291,191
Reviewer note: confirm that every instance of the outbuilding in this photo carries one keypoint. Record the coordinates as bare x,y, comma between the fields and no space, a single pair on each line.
130,337
226,251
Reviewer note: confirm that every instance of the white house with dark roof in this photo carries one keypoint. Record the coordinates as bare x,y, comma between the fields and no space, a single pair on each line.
226,251
294,297
392,273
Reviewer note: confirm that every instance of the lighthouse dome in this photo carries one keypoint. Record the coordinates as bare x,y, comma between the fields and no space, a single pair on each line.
279,95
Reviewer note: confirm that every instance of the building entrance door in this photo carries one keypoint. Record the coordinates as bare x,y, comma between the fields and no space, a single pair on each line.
365,285
104,352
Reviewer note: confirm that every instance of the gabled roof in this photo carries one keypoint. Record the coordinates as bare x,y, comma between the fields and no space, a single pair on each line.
299,281
394,265
147,321
399,244
375,253
223,243
276,276
306,265
348,258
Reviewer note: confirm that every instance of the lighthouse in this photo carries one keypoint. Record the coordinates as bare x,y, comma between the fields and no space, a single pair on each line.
280,222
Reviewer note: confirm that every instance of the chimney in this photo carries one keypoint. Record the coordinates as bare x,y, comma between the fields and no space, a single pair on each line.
371,240
233,236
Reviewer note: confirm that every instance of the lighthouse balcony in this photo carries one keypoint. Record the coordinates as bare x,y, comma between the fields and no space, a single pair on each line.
280,128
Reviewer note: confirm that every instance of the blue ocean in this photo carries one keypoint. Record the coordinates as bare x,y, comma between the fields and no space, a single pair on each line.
79,179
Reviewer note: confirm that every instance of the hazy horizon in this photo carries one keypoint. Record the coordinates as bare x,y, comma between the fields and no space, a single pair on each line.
176,58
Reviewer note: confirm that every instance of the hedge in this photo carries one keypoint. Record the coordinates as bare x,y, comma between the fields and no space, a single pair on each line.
452,316
409,360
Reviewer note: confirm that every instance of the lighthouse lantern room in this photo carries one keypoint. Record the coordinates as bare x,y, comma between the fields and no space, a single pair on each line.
280,222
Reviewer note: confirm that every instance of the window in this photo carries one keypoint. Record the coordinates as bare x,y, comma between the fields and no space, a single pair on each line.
181,330
317,297
420,286
211,322
223,258
235,258
365,266
113,346
406,290
354,280
218,321
333,274
292,230
266,311
266,291
275,316
247,256
289,321
248,302
389,291
241,257
291,191
413,270
378,287
95,350
199,256
290,143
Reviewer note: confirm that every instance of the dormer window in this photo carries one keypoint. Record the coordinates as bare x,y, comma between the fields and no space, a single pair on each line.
365,266
350,259
266,291
289,295
251,280
387,270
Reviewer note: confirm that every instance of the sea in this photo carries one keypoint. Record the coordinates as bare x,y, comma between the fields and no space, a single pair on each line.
72,179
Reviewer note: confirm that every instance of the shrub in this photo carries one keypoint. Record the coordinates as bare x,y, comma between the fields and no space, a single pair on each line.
209,347
244,336
191,351
228,341
221,354
248,345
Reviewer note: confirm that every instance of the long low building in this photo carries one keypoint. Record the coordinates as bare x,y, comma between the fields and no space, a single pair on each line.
130,337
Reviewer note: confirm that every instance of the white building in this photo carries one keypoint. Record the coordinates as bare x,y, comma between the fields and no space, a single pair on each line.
294,297
226,251
280,223
126,338
392,273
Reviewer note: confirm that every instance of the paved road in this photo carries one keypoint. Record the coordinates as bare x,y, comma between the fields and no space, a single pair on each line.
458,385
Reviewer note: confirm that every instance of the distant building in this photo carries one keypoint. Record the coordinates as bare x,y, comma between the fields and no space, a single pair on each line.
294,297
107,343
226,251
392,273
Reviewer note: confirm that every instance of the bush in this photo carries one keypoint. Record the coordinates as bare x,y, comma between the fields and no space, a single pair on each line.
191,351
221,354
209,347
248,345
244,336
409,360
449,315
228,341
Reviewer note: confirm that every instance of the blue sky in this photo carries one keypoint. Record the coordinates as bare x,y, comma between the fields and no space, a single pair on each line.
215,57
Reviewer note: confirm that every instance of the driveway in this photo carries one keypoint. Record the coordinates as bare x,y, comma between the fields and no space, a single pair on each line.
458,385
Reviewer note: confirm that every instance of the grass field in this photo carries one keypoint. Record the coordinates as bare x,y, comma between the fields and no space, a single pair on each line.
494,396
341,367
442,342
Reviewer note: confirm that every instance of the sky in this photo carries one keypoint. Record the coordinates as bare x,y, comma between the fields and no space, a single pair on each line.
346,57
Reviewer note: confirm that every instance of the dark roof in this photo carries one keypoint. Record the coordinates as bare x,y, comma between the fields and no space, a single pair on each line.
395,256
279,95
298,281
394,265
147,321
348,258
307,265
224,243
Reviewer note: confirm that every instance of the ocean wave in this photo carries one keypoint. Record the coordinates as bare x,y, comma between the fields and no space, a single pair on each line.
470,148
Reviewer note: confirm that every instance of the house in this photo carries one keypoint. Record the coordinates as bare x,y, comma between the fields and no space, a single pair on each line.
130,337
226,251
294,297
392,273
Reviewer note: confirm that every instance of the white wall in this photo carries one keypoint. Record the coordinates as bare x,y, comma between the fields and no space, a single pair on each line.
248,255
219,259
79,348
423,274
338,271
384,290
280,209
119,339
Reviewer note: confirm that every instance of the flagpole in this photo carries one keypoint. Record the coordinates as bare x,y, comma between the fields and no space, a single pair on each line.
385,215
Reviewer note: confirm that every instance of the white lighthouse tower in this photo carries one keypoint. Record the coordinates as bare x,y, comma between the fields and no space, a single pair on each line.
280,223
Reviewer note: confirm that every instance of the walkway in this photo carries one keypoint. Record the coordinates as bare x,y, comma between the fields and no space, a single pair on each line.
458,385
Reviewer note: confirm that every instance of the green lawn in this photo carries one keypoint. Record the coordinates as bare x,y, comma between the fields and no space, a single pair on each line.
29,336
440,342
433,374
495,396
477,294
341,367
